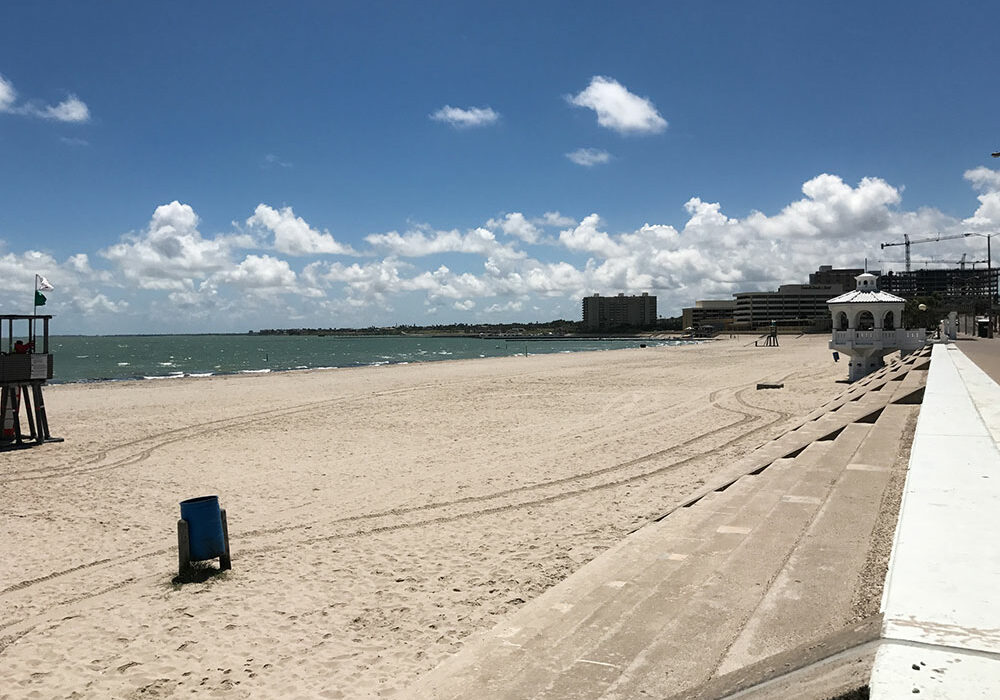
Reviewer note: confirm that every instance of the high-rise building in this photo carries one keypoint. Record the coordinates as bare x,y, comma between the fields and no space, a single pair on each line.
951,284
610,313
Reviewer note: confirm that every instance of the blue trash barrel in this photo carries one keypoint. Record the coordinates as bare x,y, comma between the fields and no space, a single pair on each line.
204,519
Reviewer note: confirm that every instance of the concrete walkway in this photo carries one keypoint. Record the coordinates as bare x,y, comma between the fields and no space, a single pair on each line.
941,629
985,352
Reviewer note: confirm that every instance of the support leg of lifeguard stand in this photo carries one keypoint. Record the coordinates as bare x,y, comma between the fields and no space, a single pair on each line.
225,562
3,411
29,414
41,418
15,396
183,547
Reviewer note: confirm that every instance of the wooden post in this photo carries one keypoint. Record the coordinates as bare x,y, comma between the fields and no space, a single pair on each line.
3,411
225,561
43,421
183,547
28,413
16,394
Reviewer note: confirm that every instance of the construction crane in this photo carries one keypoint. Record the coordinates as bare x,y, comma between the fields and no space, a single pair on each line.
907,242
961,263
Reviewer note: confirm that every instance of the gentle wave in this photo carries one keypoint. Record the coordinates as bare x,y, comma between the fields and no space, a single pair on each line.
131,358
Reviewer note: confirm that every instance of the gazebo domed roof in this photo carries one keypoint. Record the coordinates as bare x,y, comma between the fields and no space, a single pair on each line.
866,292
857,297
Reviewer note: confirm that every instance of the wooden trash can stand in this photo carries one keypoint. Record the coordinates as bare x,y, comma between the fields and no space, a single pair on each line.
202,533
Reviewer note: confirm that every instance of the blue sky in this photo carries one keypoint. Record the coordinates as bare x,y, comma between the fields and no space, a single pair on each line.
231,166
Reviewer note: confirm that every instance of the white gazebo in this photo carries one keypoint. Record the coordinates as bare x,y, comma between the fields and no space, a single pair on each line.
867,327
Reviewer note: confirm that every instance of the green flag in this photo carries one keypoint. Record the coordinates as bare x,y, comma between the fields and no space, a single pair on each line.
39,299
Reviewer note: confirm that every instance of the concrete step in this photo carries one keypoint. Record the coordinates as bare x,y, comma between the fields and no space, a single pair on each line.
697,621
891,372
823,427
812,596
851,409
562,619
908,386
593,654
826,667
649,554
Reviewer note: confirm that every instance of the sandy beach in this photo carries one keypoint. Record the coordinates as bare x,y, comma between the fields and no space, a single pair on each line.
379,516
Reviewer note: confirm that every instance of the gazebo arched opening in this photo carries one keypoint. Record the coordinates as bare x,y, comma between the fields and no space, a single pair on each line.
889,321
865,322
842,323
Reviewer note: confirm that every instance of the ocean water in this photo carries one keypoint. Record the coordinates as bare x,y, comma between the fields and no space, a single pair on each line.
164,357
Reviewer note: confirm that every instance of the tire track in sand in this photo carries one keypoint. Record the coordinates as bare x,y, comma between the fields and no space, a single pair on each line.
427,509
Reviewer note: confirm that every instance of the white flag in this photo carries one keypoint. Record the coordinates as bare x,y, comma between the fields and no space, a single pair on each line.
42,284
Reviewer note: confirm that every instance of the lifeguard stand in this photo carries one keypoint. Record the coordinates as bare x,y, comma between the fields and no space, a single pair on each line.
23,373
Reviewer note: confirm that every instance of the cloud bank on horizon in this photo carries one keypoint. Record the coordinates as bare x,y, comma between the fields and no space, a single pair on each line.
519,266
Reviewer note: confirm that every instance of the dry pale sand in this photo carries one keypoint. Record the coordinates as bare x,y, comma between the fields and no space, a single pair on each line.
379,516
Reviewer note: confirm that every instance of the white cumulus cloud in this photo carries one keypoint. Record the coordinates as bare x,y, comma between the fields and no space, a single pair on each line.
554,218
72,109
589,157
987,181
8,95
260,272
587,238
618,109
983,179
514,224
415,244
171,253
96,304
466,118
292,235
